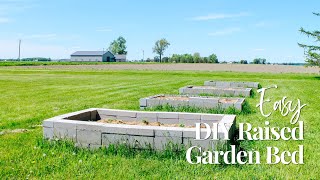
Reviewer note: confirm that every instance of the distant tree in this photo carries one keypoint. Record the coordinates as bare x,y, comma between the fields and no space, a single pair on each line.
165,59
243,62
213,58
156,59
118,46
259,61
196,57
160,46
312,51
205,59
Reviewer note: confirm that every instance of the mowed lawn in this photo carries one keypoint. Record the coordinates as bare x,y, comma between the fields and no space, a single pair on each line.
29,96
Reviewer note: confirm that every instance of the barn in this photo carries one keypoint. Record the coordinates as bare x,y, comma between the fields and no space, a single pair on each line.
96,56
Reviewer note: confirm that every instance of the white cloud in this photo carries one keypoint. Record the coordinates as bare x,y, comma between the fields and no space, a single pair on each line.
103,30
218,16
258,49
224,32
4,20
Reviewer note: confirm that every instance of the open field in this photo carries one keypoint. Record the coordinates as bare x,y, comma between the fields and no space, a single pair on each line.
30,95
164,66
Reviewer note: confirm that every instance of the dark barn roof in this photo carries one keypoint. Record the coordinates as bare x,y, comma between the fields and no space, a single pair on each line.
89,53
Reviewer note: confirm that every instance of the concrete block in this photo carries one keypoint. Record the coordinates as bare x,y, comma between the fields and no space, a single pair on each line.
168,132
141,142
106,117
148,116
161,143
168,115
143,102
65,130
181,90
168,120
48,133
88,137
139,130
116,139
153,102
126,118
204,144
48,123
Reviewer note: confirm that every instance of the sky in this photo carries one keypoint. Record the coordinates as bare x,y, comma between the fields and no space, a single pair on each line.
232,29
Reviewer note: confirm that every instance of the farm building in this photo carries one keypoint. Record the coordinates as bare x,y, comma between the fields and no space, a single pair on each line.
96,56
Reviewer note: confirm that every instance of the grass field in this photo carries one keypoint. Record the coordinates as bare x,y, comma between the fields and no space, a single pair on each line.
28,96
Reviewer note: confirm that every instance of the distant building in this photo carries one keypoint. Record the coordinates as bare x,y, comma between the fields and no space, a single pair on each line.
92,56
120,57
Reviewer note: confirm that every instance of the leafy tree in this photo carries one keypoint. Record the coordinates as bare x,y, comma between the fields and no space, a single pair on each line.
196,57
312,51
259,61
243,62
118,46
160,46
165,59
213,58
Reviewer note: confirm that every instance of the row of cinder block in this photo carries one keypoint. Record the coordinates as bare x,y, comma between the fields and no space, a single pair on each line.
88,133
193,101
227,84
218,91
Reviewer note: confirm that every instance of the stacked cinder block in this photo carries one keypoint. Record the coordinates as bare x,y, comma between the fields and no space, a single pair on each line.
193,101
232,84
82,128
218,91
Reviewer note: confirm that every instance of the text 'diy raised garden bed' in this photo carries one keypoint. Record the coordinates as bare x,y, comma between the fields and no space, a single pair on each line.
192,101
138,129
218,91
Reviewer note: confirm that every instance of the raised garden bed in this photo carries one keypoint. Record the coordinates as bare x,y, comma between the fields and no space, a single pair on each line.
84,128
218,91
193,101
227,84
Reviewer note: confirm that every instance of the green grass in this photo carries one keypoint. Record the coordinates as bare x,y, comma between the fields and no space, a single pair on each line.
29,96
48,63
246,109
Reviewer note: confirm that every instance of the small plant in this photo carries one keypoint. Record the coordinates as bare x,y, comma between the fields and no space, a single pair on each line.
181,125
145,122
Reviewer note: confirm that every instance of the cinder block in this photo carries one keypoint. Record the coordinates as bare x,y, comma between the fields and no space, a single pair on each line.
88,137
195,102
189,119
168,120
48,123
106,117
65,130
161,143
191,133
168,115
141,142
90,126
126,118
191,116
204,144
143,102
168,132
181,90
153,102
48,133
139,130
116,139
148,116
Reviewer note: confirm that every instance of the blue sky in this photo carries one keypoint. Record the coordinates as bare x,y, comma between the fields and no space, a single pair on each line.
233,29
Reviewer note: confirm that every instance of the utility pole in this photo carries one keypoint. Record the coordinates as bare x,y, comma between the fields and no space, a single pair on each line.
19,49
